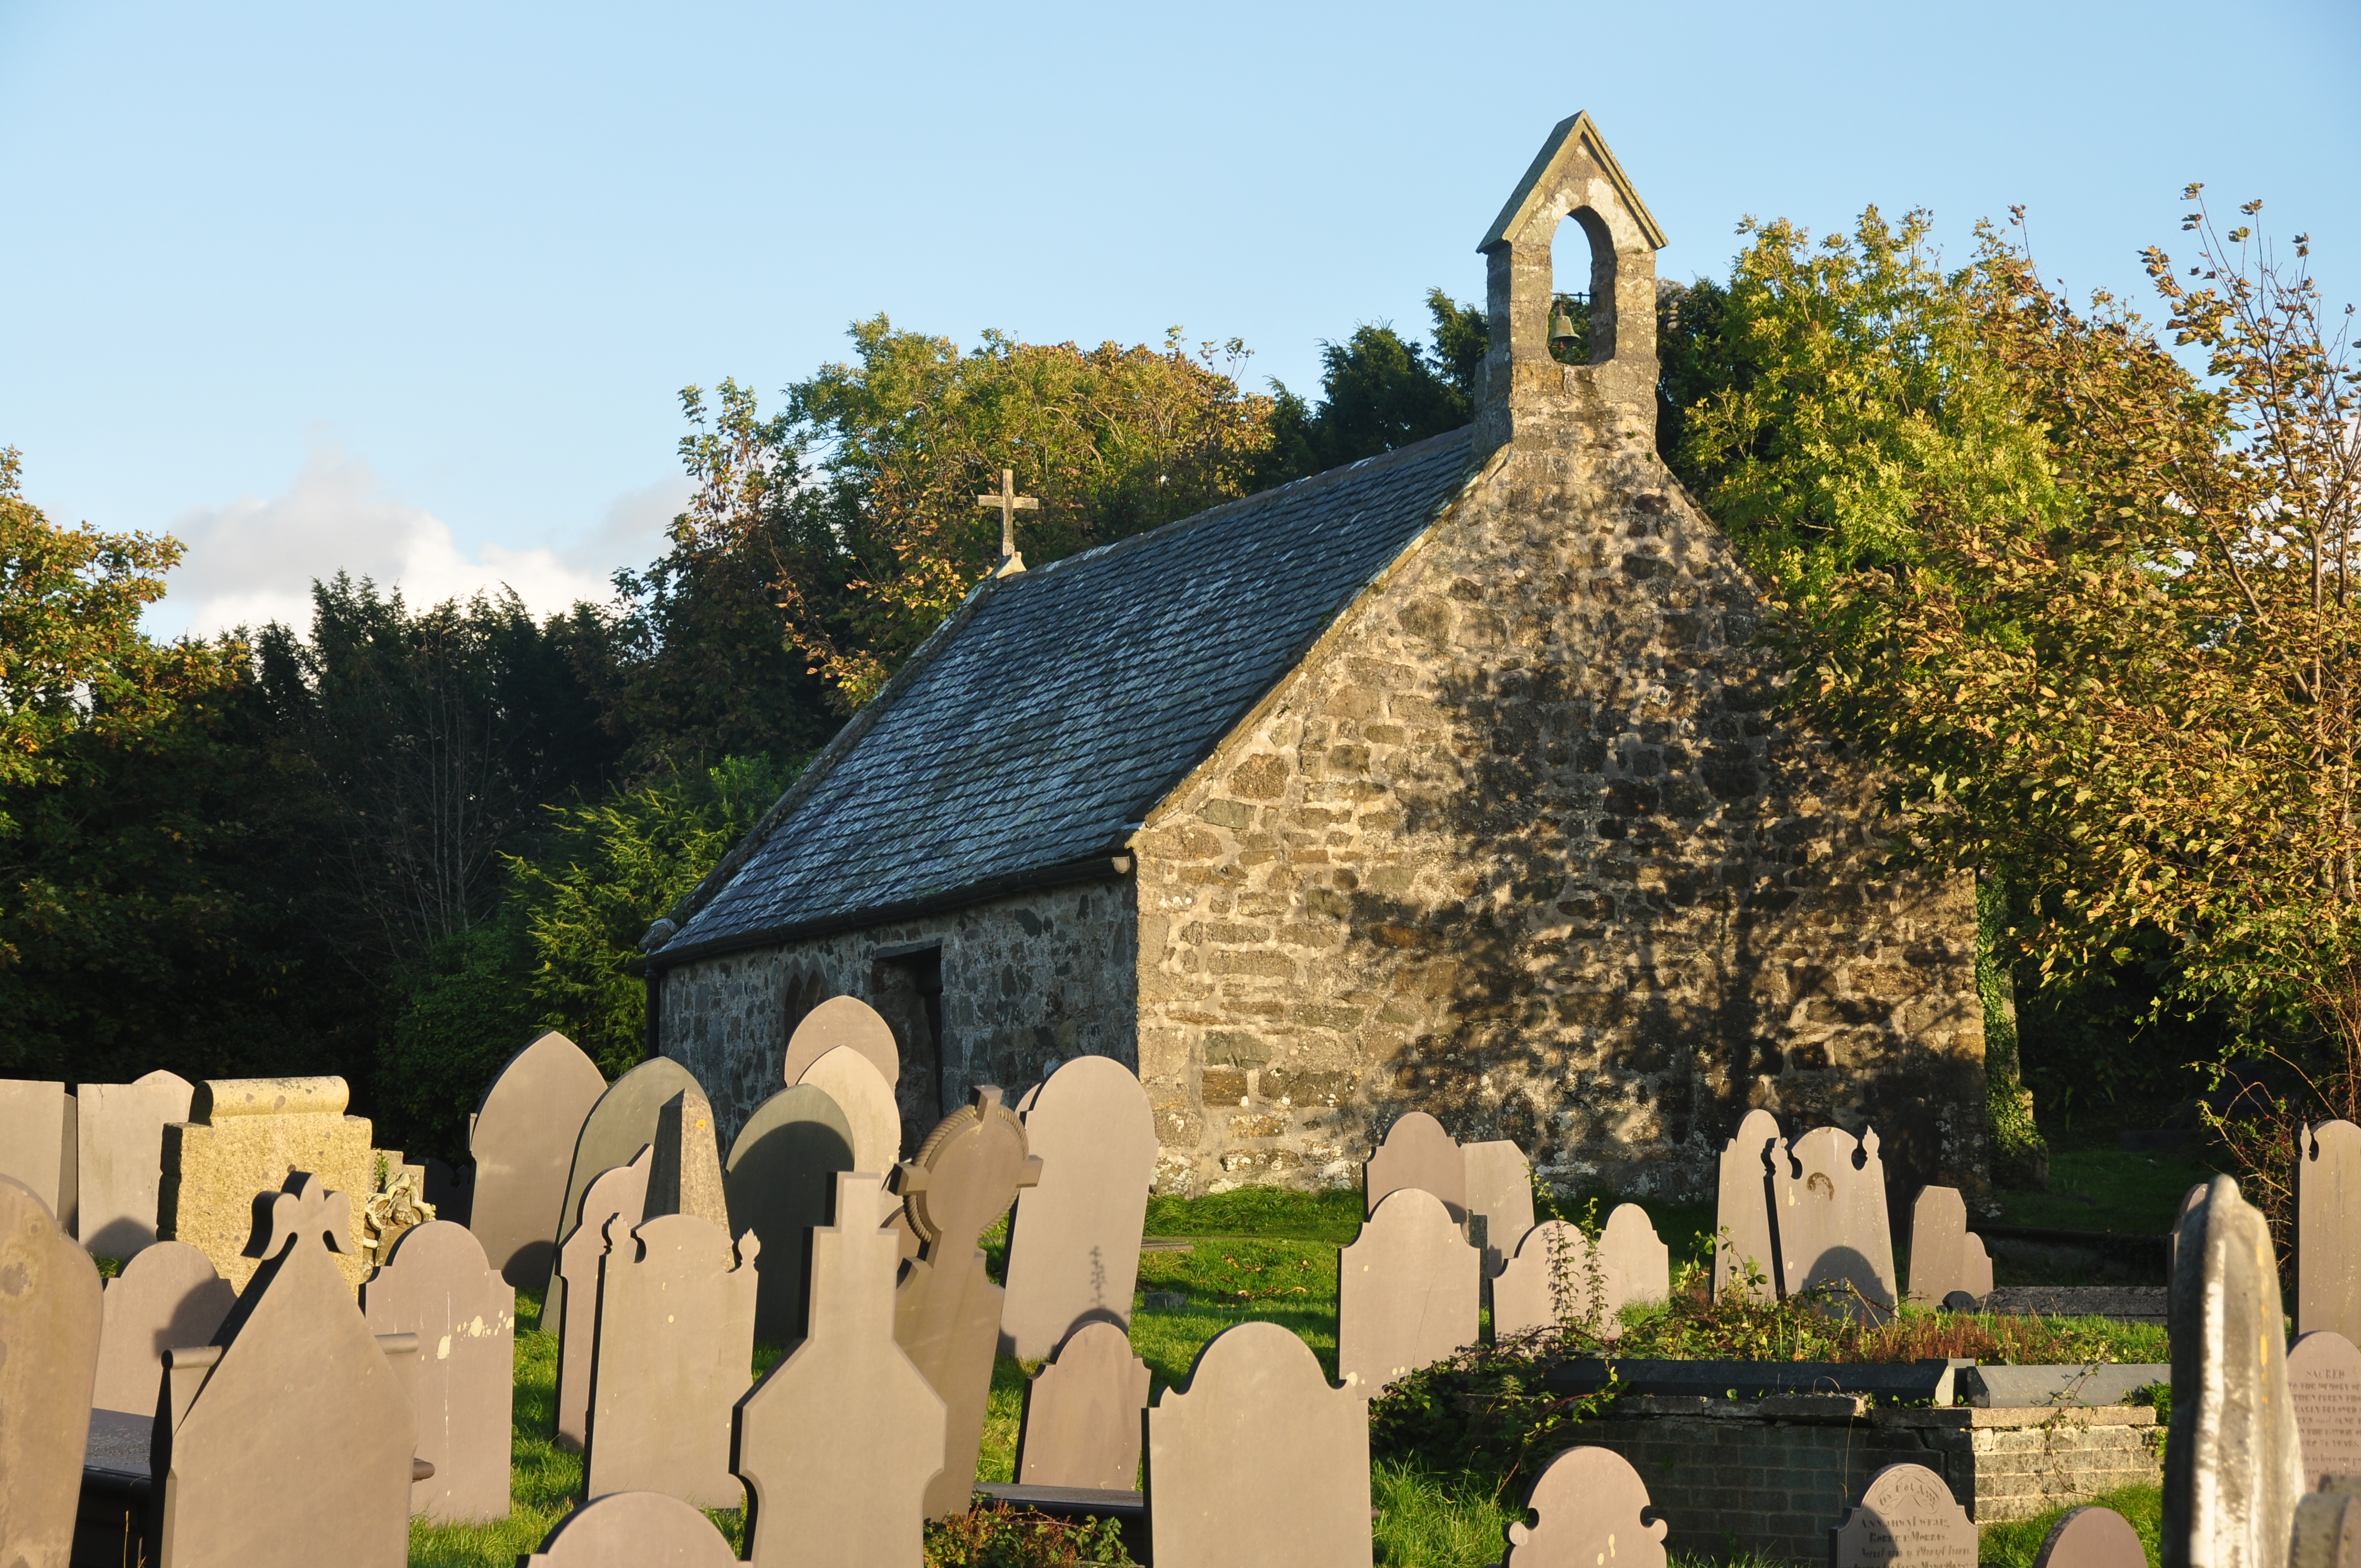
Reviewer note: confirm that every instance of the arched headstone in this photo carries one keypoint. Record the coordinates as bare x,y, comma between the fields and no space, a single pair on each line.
1549,1281
1748,1244
1080,1423
522,1139
48,1362
2092,1538
1906,1519
1639,1265
1406,1291
119,1130
1832,1224
438,1285
2328,1229
1500,1189
633,1529
842,1021
622,1193
1945,1255
621,1123
1073,1244
2324,1372
780,1180
170,1295
866,1097
1587,1504
1417,1153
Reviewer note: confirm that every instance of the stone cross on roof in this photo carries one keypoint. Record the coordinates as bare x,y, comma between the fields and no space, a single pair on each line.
1010,503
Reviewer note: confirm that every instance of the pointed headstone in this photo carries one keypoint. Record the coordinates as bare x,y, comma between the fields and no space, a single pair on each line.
633,1529
837,1442
947,1310
2092,1538
1073,1244
1417,1153
48,1362
439,1285
866,1097
1500,1189
1080,1423
1587,1504
1906,1519
2324,1381
522,1139
1549,1281
119,1133
1639,1265
620,1124
838,1021
170,1295
1747,1245
37,1142
685,1177
780,1181
617,1194
1832,1223
1406,1291
676,1351
2328,1229
1258,1462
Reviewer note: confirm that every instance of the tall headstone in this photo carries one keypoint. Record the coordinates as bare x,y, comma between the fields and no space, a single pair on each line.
294,1427
1258,1462
621,1124
48,1362
245,1137
837,1442
1587,1504
522,1139
866,1097
1406,1291
946,1309
1906,1519
620,1194
676,1351
1073,1244
1832,1223
2233,1463
1417,1153
1080,1423
780,1180
37,1142
838,1021
1639,1265
1746,1246
119,1157
685,1177
2092,1538
2328,1230
439,1285
170,1295
2324,1372
633,1529
1549,1281
1500,1189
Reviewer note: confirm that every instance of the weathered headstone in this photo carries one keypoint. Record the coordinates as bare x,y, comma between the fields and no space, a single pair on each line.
1549,1281
245,1138
866,1097
2327,1528
1587,1503
523,1138
1639,1265
620,1193
1073,1244
439,1285
676,1351
48,1362
1748,1245
684,1176
38,1144
2324,1372
633,1529
1500,1189
1258,1462
842,1021
1938,1247
170,1295
2092,1538
621,1123
2233,1463
294,1428
1417,1153
780,1180
119,1158
1081,1425
1906,1519
946,1309
837,1442
1406,1291
1832,1224
2328,1229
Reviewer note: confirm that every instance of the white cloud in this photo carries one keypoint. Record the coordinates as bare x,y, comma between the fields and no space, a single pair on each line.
254,560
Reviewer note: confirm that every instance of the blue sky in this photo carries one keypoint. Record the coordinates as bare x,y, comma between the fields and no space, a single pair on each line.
413,289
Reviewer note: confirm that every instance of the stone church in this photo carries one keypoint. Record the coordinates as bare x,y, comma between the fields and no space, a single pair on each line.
1446,780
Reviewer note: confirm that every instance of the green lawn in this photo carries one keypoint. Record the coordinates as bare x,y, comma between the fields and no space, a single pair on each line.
2107,1190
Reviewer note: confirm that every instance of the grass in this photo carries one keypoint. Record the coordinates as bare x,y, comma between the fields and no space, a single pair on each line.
2017,1543
2107,1190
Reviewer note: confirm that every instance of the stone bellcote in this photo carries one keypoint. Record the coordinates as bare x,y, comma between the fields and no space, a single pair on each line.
1530,399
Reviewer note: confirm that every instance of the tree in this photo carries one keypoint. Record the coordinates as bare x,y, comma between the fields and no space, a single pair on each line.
1380,392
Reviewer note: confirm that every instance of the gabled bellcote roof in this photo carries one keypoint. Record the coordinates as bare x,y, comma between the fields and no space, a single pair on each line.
1571,137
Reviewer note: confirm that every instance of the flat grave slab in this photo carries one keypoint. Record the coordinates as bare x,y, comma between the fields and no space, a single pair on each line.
2124,1303
2019,1388
1915,1382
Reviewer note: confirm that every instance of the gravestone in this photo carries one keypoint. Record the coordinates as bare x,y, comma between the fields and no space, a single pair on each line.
620,1192
2233,1461
294,1427
1073,1244
38,1144
1587,1503
522,1139
633,1529
2327,1528
621,1123
684,1176
1500,1189
245,1138
1906,1519
1417,1153
1406,1291
2324,1372
866,1097
170,1295
1548,1281
837,1442
1081,1425
1832,1224
452,1193
675,1350
2328,1229
1258,1462
839,1022
779,1183
1940,1259
2092,1538
947,1310
439,1284
1639,1266
48,1361
1749,1242
119,1158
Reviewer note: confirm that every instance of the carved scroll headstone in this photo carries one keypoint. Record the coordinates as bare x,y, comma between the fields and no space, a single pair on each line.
1406,1291
837,1442
1258,1462
1832,1224
684,1176
2328,1229
439,1285
1749,1242
1639,1265
2324,1372
838,1021
170,1295
1906,1519
1500,1189
617,1194
1081,1425
1587,1503
866,1097
48,1362
38,1144
621,1124
1417,1153
2092,1538
1073,1244
523,1138
633,1529
780,1180
119,1131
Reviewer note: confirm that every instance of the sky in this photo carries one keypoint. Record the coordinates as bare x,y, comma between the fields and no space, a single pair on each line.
412,292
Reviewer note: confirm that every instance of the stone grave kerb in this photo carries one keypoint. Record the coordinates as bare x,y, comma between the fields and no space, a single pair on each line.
49,1315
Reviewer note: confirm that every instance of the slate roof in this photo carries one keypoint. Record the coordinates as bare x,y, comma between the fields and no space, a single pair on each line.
1038,735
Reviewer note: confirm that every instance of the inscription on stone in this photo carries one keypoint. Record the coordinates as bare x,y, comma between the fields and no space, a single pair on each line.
2324,1383
1906,1518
